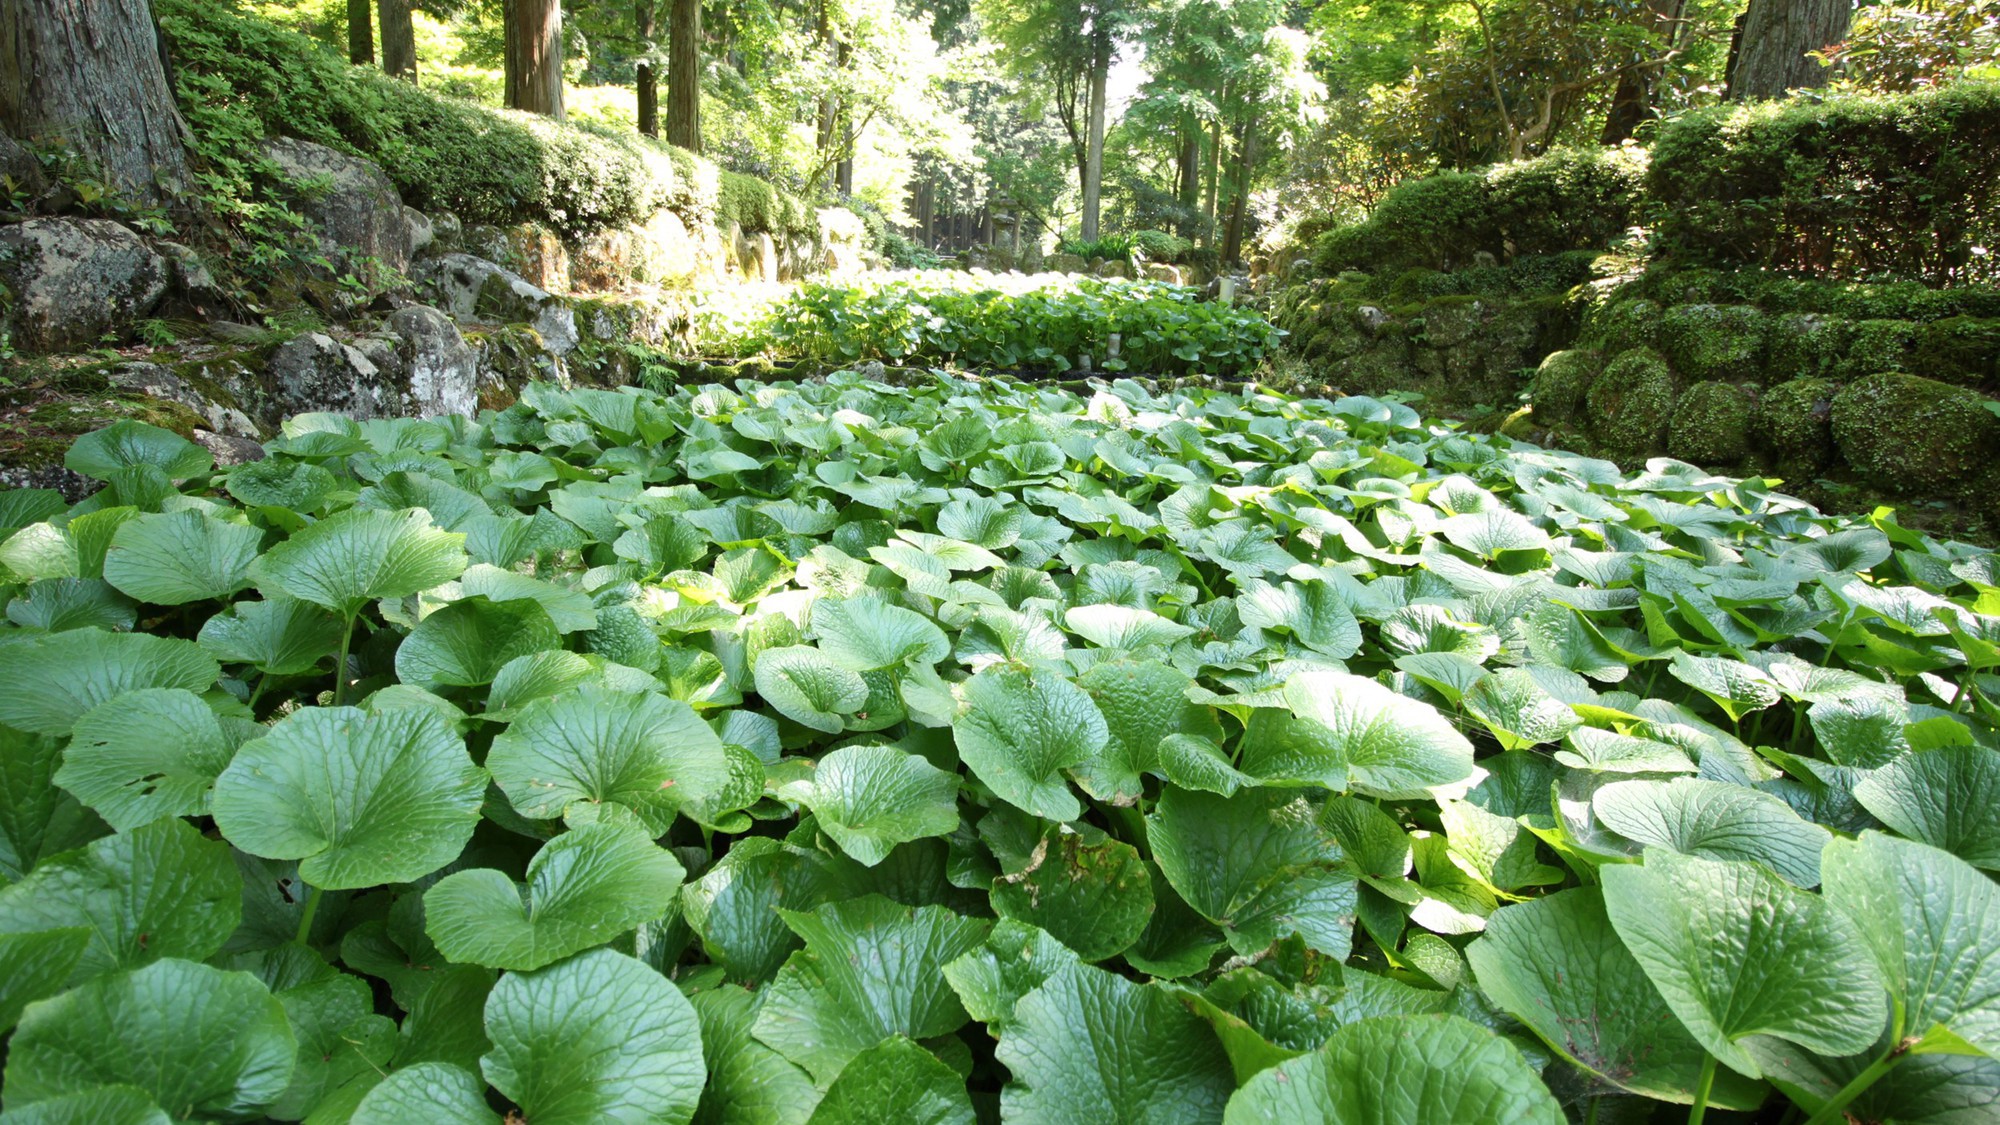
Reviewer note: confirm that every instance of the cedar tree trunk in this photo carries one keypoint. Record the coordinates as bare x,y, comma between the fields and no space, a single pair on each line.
534,57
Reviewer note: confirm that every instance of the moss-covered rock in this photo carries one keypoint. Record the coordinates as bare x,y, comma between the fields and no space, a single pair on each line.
1711,424
1622,325
1804,345
1561,383
1962,349
1714,342
1881,345
1914,434
1630,403
1795,423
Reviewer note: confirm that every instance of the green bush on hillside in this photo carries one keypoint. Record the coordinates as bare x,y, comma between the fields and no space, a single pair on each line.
1848,186
239,78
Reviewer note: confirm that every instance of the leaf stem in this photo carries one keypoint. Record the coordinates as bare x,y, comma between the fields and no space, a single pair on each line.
1835,1106
1590,1115
1700,1108
306,919
340,667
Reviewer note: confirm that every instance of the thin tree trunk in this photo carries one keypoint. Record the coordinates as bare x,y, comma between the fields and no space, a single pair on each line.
684,75
1239,205
1214,175
1770,57
399,40
646,82
1633,101
360,33
926,211
90,72
1188,170
843,171
1093,168
535,56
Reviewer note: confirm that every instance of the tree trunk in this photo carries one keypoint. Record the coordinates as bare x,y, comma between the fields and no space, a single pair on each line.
646,83
843,171
684,75
1770,57
90,72
535,57
360,33
399,40
1239,206
1214,174
1632,103
1093,166
1188,171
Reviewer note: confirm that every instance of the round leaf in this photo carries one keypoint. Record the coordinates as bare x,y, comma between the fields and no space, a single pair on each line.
1020,729
595,746
347,560
48,682
871,798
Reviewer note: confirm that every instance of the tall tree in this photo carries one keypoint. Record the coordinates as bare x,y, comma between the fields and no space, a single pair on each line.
90,72
644,78
1769,55
1633,102
399,39
684,75
1093,161
534,62
360,33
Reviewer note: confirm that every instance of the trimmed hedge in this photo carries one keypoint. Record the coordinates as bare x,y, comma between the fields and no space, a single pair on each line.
1567,200
238,77
1845,187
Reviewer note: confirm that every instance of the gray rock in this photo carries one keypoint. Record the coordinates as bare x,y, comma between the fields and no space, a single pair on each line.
228,448
194,287
441,371
447,232
423,232
73,485
359,214
1160,271
77,280
155,381
1371,319
470,288
317,372
1115,268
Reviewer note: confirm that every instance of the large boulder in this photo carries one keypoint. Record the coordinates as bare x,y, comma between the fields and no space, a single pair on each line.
440,369
359,214
1067,263
470,288
1630,404
1714,342
1795,424
75,281
212,403
314,372
1913,434
1711,424
1561,382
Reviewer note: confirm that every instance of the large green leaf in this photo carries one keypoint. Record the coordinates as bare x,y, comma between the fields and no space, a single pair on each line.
808,687
157,891
347,560
1095,898
1716,821
1556,965
99,1105
201,1042
567,754
1258,865
466,643
281,636
585,888
1020,729
181,557
871,969
598,1038
149,754
748,1082
125,444
37,819
48,682
1517,711
1092,1046
1736,952
1350,733
1949,798
433,1093
863,634
871,798
1933,923
358,799
35,965
343,1045
1144,704
734,906
1400,1070
895,1080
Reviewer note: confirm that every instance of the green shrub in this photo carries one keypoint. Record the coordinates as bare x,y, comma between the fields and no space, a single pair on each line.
1160,246
239,77
1847,186
1110,247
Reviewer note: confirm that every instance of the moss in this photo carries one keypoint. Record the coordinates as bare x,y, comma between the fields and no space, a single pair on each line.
38,435
1711,424
1631,402
1914,434
1795,423
1962,349
1720,342
1625,324
1805,346
1562,381
1881,345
